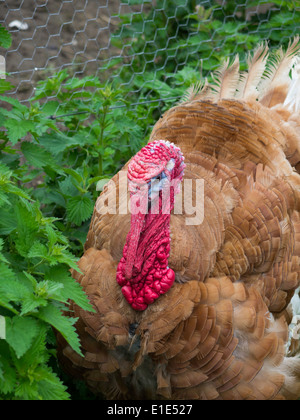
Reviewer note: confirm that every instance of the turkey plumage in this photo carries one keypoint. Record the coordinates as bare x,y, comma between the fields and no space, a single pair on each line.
199,310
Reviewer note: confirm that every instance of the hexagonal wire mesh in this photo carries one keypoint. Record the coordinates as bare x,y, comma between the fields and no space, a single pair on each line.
136,41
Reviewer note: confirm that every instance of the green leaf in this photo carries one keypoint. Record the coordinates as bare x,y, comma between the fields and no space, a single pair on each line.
4,303
5,38
79,209
20,333
27,229
11,289
51,290
71,289
17,129
50,108
53,316
5,86
26,389
12,189
2,257
38,250
8,376
60,254
74,174
38,354
31,303
67,187
56,142
7,221
6,273
3,198
88,81
50,86
53,236
104,178
50,388
49,196
15,103
31,279
36,155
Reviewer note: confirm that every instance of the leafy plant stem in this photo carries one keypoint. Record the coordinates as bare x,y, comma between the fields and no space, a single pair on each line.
101,139
2,145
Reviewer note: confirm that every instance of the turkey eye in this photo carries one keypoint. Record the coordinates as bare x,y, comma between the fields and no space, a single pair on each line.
159,177
155,185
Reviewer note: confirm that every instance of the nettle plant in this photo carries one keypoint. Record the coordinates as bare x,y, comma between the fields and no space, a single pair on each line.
66,145
190,37
35,259
51,156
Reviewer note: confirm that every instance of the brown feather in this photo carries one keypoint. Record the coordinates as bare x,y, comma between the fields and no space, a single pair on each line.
220,331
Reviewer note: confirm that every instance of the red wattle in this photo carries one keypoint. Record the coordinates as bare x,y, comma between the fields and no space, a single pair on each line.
143,272
154,277
137,223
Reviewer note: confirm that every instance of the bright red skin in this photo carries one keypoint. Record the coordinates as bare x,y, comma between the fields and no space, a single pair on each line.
143,271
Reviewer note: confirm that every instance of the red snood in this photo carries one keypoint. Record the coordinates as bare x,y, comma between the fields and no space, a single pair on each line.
143,271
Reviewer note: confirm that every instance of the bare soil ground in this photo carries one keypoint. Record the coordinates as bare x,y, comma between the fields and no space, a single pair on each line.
72,34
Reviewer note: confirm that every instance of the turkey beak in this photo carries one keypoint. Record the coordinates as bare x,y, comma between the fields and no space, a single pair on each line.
137,224
156,185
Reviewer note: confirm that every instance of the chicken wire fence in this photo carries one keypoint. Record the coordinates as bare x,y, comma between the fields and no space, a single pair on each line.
137,42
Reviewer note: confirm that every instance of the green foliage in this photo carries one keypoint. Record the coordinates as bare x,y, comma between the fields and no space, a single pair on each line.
35,257
51,157
35,286
68,144
5,38
5,42
175,36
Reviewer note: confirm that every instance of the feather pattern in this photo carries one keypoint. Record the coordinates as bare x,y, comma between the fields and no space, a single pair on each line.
249,81
221,330
292,101
226,79
277,80
195,91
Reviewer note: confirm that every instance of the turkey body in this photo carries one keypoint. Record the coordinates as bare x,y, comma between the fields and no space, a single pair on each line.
220,331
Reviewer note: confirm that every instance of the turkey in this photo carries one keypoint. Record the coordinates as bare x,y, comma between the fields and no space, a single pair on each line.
197,306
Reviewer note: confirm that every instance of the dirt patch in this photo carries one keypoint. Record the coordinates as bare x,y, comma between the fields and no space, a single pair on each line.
73,34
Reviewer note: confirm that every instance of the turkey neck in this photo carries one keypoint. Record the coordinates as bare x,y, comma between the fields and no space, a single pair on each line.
143,271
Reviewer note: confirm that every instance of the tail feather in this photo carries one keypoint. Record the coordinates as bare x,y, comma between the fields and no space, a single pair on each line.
290,368
267,79
226,79
293,345
196,91
275,86
292,101
248,85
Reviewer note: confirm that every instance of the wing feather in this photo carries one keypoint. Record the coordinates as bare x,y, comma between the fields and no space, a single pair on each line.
275,86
